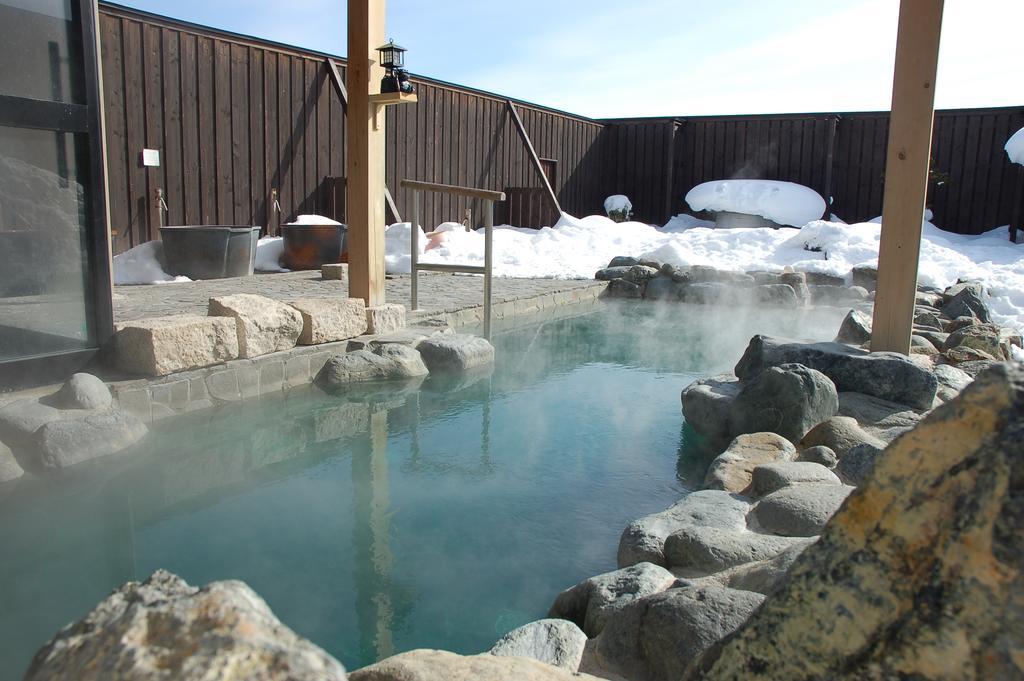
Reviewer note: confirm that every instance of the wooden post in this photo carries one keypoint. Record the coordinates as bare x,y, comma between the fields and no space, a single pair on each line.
364,156
906,173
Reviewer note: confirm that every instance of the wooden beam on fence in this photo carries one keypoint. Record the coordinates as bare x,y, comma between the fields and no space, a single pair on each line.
1017,207
906,173
830,161
390,202
670,162
534,159
364,155
339,84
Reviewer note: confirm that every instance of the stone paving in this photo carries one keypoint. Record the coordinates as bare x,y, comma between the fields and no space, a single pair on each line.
439,294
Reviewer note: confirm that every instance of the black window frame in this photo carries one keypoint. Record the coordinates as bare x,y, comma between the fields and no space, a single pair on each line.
86,119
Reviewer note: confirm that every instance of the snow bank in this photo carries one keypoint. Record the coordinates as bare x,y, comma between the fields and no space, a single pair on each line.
783,202
142,265
1015,147
269,250
617,202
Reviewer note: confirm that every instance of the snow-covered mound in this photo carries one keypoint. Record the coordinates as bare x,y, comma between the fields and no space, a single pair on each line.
269,250
142,265
314,219
786,203
1015,147
617,202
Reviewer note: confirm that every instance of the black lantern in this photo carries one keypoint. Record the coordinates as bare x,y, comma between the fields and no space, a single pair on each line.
392,58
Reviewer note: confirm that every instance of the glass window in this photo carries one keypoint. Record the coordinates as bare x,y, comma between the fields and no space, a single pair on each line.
41,50
45,301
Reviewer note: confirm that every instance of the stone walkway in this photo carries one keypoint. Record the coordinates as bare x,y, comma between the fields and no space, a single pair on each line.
440,295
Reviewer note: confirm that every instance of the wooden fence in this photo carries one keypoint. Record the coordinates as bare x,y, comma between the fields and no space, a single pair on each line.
236,118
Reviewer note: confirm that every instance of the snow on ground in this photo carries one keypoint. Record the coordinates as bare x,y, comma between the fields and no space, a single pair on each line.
786,203
617,202
1015,147
575,248
141,265
269,250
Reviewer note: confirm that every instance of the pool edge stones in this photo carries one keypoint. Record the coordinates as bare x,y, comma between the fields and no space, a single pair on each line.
164,345
325,320
385,318
265,325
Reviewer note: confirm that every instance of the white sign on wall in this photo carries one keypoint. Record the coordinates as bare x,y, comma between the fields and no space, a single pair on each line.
151,157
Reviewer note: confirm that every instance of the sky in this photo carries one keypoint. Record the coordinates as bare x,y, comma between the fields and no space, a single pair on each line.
608,58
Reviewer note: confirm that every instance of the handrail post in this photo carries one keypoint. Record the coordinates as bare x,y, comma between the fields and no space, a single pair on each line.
488,263
414,248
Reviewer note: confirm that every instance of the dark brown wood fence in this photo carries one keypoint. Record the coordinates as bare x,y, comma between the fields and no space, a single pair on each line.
236,118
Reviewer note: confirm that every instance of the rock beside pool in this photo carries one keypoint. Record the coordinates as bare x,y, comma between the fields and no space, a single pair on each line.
855,328
858,463
770,477
389,362
21,419
919,573
788,399
556,642
819,454
800,510
657,636
732,469
455,353
840,434
386,318
165,345
165,629
888,375
264,325
65,442
593,601
706,550
440,665
707,403
83,391
882,419
325,320
952,381
10,469
644,538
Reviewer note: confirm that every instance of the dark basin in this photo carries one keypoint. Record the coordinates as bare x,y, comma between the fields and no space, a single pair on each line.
210,251
308,247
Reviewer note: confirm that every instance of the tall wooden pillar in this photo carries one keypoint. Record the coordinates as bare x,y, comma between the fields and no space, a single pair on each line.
364,157
906,173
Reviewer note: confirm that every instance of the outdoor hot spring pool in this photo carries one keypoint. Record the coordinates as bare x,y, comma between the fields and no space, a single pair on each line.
386,521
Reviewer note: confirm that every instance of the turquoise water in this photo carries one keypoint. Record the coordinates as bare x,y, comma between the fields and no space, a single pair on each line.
375,523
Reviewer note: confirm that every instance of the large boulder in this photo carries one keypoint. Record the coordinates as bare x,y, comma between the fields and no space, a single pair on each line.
966,299
840,434
20,420
325,320
952,381
882,419
857,464
656,637
982,337
68,441
593,601
440,665
643,540
700,549
855,328
165,629
707,403
788,399
457,353
265,325
83,391
165,345
919,575
732,469
800,510
552,641
769,477
888,375
764,575
387,362
819,454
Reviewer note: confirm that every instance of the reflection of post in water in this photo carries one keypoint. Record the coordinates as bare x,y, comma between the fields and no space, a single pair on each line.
373,558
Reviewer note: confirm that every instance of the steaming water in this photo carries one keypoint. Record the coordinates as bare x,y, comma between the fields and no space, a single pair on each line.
440,517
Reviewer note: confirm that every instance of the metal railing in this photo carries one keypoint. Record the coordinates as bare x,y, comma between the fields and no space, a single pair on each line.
488,197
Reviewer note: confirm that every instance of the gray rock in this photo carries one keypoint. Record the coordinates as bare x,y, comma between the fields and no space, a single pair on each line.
264,325
866,276
556,642
701,274
385,318
776,295
928,298
919,345
928,319
166,629
837,295
959,323
66,442
855,329
771,477
887,375
857,464
593,601
644,539
976,366
620,288
788,399
610,273
763,576
951,381
798,281
456,353
10,469
385,362
623,261
21,419
936,338
440,665
656,637
706,293
819,454
83,391
732,469
983,337
881,419
800,510
966,300
822,279
707,403
640,274
704,550
840,434
662,288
